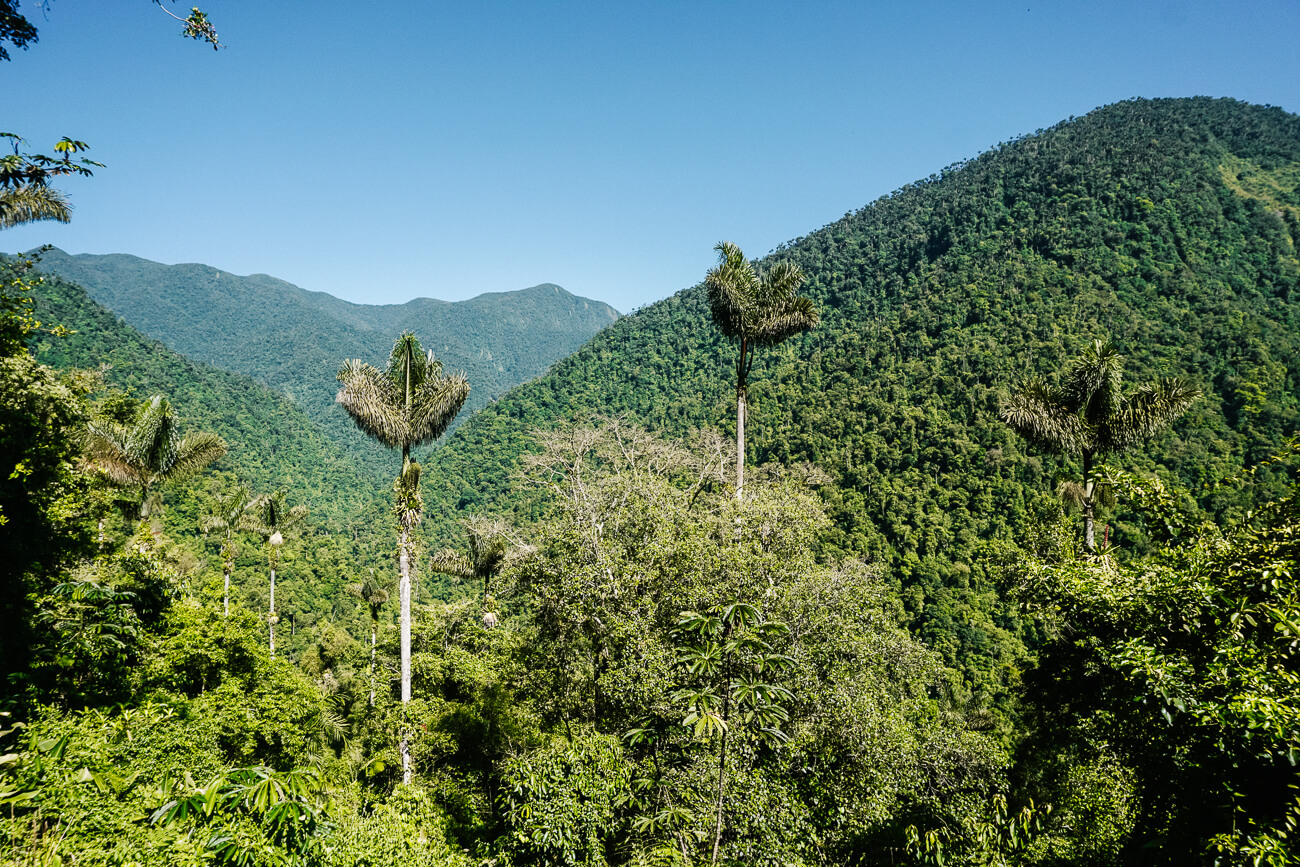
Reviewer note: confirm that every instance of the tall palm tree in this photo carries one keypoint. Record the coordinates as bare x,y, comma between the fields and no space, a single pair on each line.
274,519
28,203
1090,415
408,403
230,515
754,310
150,451
374,593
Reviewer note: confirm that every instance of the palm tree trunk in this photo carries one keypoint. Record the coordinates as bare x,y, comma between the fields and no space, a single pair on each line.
404,597
270,620
225,601
722,768
373,630
1089,538
740,445
740,422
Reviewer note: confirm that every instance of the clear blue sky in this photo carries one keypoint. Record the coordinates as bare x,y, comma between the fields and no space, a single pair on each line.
386,151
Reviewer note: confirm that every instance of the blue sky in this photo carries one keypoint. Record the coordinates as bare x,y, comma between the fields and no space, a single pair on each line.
382,152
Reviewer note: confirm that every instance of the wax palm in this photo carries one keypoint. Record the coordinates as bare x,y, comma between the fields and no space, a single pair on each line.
274,519
231,514
408,403
374,593
28,203
491,548
1090,415
752,311
150,451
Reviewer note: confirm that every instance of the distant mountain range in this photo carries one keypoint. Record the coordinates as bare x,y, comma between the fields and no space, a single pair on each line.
294,340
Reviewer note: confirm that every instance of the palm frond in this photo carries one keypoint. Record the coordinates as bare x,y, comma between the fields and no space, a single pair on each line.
273,515
782,281
791,317
155,436
409,359
731,287
373,401
195,452
1092,383
1146,411
229,511
434,405
449,562
29,203
106,446
1035,411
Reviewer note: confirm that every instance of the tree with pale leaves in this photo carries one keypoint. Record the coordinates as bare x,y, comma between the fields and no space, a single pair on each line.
150,452
273,519
232,514
408,403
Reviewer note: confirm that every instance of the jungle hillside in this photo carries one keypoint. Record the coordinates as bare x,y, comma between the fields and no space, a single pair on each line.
1010,580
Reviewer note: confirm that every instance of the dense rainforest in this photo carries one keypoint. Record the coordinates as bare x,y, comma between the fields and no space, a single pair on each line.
293,340
896,647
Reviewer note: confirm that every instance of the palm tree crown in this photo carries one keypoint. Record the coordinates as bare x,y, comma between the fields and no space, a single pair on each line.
405,405
754,311
150,451
491,548
757,310
1091,415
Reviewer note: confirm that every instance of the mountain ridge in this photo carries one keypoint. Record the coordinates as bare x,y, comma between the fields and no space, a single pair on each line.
294,340
939,296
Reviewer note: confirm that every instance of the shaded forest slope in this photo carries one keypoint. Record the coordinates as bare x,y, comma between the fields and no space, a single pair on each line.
272,446
294,340
1169,226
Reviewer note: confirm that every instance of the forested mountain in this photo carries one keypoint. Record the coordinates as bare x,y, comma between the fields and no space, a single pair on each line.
294,340
1168,226
897,647
272,445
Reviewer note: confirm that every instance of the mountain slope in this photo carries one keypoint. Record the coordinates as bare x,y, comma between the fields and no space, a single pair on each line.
272,444
1169,226
295,340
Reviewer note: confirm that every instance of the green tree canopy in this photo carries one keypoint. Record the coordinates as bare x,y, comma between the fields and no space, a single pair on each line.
1089,413
150,451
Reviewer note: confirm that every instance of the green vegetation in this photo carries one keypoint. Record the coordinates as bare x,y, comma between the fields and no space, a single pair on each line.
1089,415
892,650
935,301
284,336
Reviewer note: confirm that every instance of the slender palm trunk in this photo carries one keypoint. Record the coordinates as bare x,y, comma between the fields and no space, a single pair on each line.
373,631
404,597
270,619
1089,538
225,600
722,771
741,408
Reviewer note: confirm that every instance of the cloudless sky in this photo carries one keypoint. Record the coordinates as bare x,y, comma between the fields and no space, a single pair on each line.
385,151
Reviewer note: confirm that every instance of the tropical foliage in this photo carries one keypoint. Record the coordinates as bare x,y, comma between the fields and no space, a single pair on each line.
1089,415
892,650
